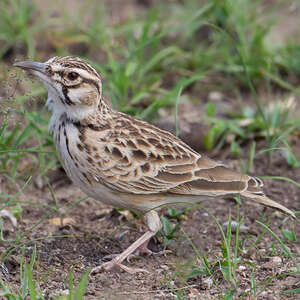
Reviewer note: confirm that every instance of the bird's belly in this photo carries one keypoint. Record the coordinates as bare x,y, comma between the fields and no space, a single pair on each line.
137,202
88,185
93,187
99,191
84,175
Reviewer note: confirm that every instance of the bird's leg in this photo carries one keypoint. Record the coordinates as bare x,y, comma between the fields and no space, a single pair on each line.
142,249
153,223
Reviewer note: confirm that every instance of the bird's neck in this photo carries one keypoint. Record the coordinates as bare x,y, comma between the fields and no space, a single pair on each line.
104,111
78,114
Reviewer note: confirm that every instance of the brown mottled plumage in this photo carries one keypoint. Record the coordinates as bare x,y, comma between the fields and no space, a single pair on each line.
126,162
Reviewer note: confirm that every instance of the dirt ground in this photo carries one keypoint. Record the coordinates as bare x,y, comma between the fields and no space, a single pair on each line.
78,238
92,230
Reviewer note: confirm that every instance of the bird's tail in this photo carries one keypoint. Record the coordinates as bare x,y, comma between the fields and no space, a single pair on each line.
264,200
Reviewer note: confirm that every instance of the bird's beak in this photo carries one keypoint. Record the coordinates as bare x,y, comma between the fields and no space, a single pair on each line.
32,66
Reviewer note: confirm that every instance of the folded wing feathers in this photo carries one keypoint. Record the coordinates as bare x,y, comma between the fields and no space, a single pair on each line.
162,163
213,179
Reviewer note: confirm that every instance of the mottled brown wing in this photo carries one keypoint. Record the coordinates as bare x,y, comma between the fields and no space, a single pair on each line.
137,157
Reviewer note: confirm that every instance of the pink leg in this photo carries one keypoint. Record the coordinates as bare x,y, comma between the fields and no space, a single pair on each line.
154,225
143,249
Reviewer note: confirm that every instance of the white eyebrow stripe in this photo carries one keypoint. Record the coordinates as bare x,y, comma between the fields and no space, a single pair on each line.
83,73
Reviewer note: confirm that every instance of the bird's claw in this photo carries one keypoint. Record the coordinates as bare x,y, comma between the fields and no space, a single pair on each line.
112,264
138,253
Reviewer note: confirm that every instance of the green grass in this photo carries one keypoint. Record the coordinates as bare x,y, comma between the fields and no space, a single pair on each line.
225,262
152,61
30,287
16,27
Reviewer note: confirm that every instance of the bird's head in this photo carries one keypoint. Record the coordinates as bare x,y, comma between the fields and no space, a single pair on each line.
74,86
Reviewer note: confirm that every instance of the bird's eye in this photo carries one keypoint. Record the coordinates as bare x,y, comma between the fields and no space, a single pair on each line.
72,75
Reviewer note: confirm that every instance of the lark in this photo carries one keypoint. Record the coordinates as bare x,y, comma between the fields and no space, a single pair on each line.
126,162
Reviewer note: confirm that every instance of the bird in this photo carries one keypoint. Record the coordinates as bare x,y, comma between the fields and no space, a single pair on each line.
126,162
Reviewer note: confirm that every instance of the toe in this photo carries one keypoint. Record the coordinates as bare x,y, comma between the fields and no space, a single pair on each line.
132,270
111,265
163,252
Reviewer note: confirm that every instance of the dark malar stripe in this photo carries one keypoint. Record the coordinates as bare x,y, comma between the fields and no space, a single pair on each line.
62,100
67,99
67,140
67,145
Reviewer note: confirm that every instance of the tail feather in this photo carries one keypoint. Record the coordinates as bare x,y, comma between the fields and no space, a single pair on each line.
264,200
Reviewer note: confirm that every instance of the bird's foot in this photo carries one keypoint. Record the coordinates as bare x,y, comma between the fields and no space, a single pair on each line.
140,246
145,251
113,264
142,250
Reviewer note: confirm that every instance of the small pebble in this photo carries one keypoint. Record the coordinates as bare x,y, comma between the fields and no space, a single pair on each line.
65,293
6,213
207,284
38,182
122,234
276,260
165,267
215,96
234,226
242,268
